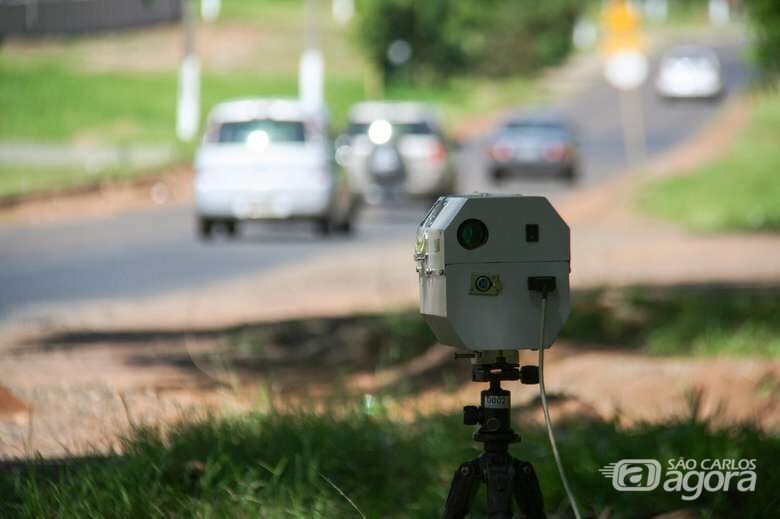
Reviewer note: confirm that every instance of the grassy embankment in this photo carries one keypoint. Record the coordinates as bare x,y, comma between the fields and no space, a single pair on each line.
304,465
298,464
739,192
707,321
109,90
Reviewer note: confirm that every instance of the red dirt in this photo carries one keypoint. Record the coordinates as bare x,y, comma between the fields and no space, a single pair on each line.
10,406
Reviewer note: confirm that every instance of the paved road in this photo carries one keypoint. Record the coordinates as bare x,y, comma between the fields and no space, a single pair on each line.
154,251
595,112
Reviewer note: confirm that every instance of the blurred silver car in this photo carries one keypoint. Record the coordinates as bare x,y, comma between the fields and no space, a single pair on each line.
268,159
395,149
687,72
534,146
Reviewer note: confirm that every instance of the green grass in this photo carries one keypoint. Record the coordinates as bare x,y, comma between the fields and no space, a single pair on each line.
106,108
141,107
280,11
23,180
130,107
739,192
706,321
80,90
276,465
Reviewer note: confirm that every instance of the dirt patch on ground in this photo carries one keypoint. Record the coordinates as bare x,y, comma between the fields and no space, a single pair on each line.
86,389
10,406
225,47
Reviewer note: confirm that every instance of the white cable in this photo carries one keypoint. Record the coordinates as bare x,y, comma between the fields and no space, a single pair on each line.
547,422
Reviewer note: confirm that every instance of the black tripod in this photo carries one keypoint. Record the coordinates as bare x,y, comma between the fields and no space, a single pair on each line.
505,477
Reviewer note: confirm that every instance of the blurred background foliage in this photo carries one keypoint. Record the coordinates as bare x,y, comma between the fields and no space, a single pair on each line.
447,37
765,18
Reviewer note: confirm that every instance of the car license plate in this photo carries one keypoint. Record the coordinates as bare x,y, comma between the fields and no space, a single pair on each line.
527,154
251,208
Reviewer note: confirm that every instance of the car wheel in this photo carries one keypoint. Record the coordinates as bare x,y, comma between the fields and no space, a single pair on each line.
345,227
232,228
570,175
205,228
322,226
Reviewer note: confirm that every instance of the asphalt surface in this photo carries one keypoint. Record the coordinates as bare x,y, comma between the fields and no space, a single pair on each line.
153,251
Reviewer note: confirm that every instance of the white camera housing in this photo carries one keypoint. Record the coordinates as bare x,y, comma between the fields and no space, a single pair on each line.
474,279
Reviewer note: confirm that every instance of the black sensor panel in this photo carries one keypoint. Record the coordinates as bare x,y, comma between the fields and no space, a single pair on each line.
532,232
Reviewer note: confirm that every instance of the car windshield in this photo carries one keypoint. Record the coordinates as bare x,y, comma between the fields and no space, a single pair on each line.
273,130
538,130
691,61
407,128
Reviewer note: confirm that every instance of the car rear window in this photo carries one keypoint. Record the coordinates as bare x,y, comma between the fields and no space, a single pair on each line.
277,131
692,60
545,130
411,128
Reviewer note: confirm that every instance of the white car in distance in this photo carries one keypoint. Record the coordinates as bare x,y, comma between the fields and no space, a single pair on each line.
269,160
689,72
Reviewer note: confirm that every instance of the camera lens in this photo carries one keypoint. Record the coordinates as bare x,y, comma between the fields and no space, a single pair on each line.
472,234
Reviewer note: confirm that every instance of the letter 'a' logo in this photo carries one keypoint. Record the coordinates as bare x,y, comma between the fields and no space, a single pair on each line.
639,475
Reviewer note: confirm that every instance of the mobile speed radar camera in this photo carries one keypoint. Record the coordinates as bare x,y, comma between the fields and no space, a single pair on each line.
484,262
494,279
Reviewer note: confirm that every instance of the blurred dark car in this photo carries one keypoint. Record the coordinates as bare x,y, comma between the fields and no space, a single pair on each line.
542,147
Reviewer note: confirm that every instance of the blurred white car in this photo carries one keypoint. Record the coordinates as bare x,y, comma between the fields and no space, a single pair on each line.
380,133
268,159
689,71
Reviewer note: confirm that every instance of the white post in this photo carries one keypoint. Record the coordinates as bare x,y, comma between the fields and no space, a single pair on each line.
311,68
188,100
209,9
719,12
343,11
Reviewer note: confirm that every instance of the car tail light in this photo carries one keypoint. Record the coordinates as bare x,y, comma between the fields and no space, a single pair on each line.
500,152
439,154
556,153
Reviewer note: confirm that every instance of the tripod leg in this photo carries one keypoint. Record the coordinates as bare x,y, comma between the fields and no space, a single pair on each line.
498,470
465,484
528,493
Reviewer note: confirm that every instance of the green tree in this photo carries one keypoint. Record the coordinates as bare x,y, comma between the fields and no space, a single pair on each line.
765,16
447,37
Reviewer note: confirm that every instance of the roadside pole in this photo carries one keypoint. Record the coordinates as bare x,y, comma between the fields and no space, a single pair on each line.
311,68
188,99
626,68
632,119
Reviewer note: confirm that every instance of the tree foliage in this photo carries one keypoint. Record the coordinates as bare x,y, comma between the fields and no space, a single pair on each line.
447,37
765,16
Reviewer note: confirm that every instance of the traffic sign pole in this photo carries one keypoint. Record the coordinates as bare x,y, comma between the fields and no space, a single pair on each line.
632,120
626,68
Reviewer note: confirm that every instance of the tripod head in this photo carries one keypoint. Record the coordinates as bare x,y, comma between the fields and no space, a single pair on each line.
507,479
494,412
